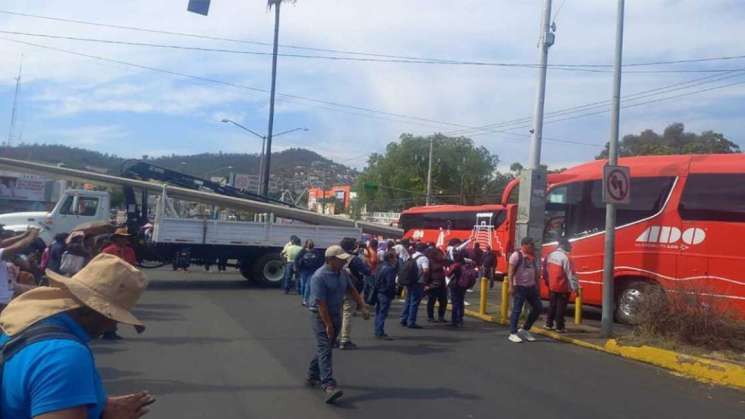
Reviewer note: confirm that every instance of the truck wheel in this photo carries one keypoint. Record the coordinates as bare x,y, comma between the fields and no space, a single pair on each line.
632,299
268,270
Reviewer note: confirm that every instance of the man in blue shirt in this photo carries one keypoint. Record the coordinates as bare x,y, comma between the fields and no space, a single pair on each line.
328,287
55,377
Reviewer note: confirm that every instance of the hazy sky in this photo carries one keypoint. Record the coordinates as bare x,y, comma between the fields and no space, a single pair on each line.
131,111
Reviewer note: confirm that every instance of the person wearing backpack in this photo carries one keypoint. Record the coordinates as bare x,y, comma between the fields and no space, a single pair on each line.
524,273
55,251
359,271
435,287
561,281
76,256
307,262
48,368
413,275
458,286
385,289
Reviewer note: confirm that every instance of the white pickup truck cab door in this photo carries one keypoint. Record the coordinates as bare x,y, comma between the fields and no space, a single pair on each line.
76,209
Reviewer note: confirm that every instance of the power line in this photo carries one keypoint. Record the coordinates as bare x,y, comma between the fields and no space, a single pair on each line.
599,104
329,57
390,57
359,110
633,105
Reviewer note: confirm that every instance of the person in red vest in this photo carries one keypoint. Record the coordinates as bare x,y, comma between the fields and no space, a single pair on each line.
121,246
561,281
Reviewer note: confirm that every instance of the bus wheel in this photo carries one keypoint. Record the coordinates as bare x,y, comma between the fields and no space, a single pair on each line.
269,269
632,299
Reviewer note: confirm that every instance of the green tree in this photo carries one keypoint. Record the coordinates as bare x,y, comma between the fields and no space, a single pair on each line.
674,140
461,173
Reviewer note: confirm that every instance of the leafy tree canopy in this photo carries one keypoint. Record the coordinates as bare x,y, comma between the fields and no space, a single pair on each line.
674,140
461,173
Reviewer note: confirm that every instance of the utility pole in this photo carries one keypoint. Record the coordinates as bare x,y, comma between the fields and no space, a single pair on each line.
610,209
13,112
268,153
532,197
429,172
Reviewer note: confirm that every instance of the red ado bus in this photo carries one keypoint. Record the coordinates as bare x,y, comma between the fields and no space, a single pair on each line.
682,231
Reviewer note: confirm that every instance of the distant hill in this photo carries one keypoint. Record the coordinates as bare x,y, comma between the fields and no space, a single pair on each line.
292,169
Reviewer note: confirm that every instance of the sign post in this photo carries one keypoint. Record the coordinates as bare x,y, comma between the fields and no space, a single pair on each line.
610,208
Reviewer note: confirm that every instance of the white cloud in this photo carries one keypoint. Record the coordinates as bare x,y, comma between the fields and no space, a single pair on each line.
71,87
93,136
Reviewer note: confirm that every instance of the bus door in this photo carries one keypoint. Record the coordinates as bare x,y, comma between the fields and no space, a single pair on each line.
693,259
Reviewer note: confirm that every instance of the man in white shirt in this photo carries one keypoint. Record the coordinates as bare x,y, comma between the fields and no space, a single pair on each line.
401,251
8,249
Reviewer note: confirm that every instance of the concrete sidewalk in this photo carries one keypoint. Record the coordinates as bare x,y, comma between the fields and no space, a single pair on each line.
588,330
587,334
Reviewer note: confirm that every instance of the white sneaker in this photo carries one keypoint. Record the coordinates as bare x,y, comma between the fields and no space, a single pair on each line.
526,335
514,338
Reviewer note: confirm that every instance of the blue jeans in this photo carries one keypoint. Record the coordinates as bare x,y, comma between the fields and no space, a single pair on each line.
305,285
414,295
521,295
289,271
381,313
320,367
457,298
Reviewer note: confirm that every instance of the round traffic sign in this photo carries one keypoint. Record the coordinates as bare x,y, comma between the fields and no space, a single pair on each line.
618,185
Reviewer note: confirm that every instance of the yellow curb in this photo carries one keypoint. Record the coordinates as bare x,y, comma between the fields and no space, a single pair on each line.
701,369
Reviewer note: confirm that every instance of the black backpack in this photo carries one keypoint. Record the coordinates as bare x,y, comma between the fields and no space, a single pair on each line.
310,260
409,272
31,335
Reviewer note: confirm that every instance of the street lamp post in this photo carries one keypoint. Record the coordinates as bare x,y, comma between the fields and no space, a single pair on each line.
263,175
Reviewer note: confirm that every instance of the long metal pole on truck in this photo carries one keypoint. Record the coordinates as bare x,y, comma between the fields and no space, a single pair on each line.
610,209
532,201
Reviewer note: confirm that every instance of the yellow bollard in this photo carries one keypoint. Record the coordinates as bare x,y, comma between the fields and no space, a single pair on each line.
484,295
578,307
504,308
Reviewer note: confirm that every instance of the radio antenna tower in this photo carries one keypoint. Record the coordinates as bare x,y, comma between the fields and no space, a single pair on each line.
15,105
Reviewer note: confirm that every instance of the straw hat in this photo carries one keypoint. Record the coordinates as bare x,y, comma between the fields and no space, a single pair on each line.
121,232
108,285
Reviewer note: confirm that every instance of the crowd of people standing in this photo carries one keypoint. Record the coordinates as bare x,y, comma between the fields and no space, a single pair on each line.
354,275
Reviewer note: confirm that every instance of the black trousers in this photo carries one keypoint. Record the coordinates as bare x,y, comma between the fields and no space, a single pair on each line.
439,295
557,308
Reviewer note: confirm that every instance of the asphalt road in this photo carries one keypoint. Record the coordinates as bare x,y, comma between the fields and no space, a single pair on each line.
217,347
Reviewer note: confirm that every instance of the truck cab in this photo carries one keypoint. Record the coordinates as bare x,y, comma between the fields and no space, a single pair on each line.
75,207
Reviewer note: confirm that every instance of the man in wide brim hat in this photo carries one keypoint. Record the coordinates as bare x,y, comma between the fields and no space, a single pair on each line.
57,374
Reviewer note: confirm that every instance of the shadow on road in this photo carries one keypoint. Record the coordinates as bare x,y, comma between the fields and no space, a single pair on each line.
200,284
187,340
163,306
401,393
165,387
418,349
157,316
